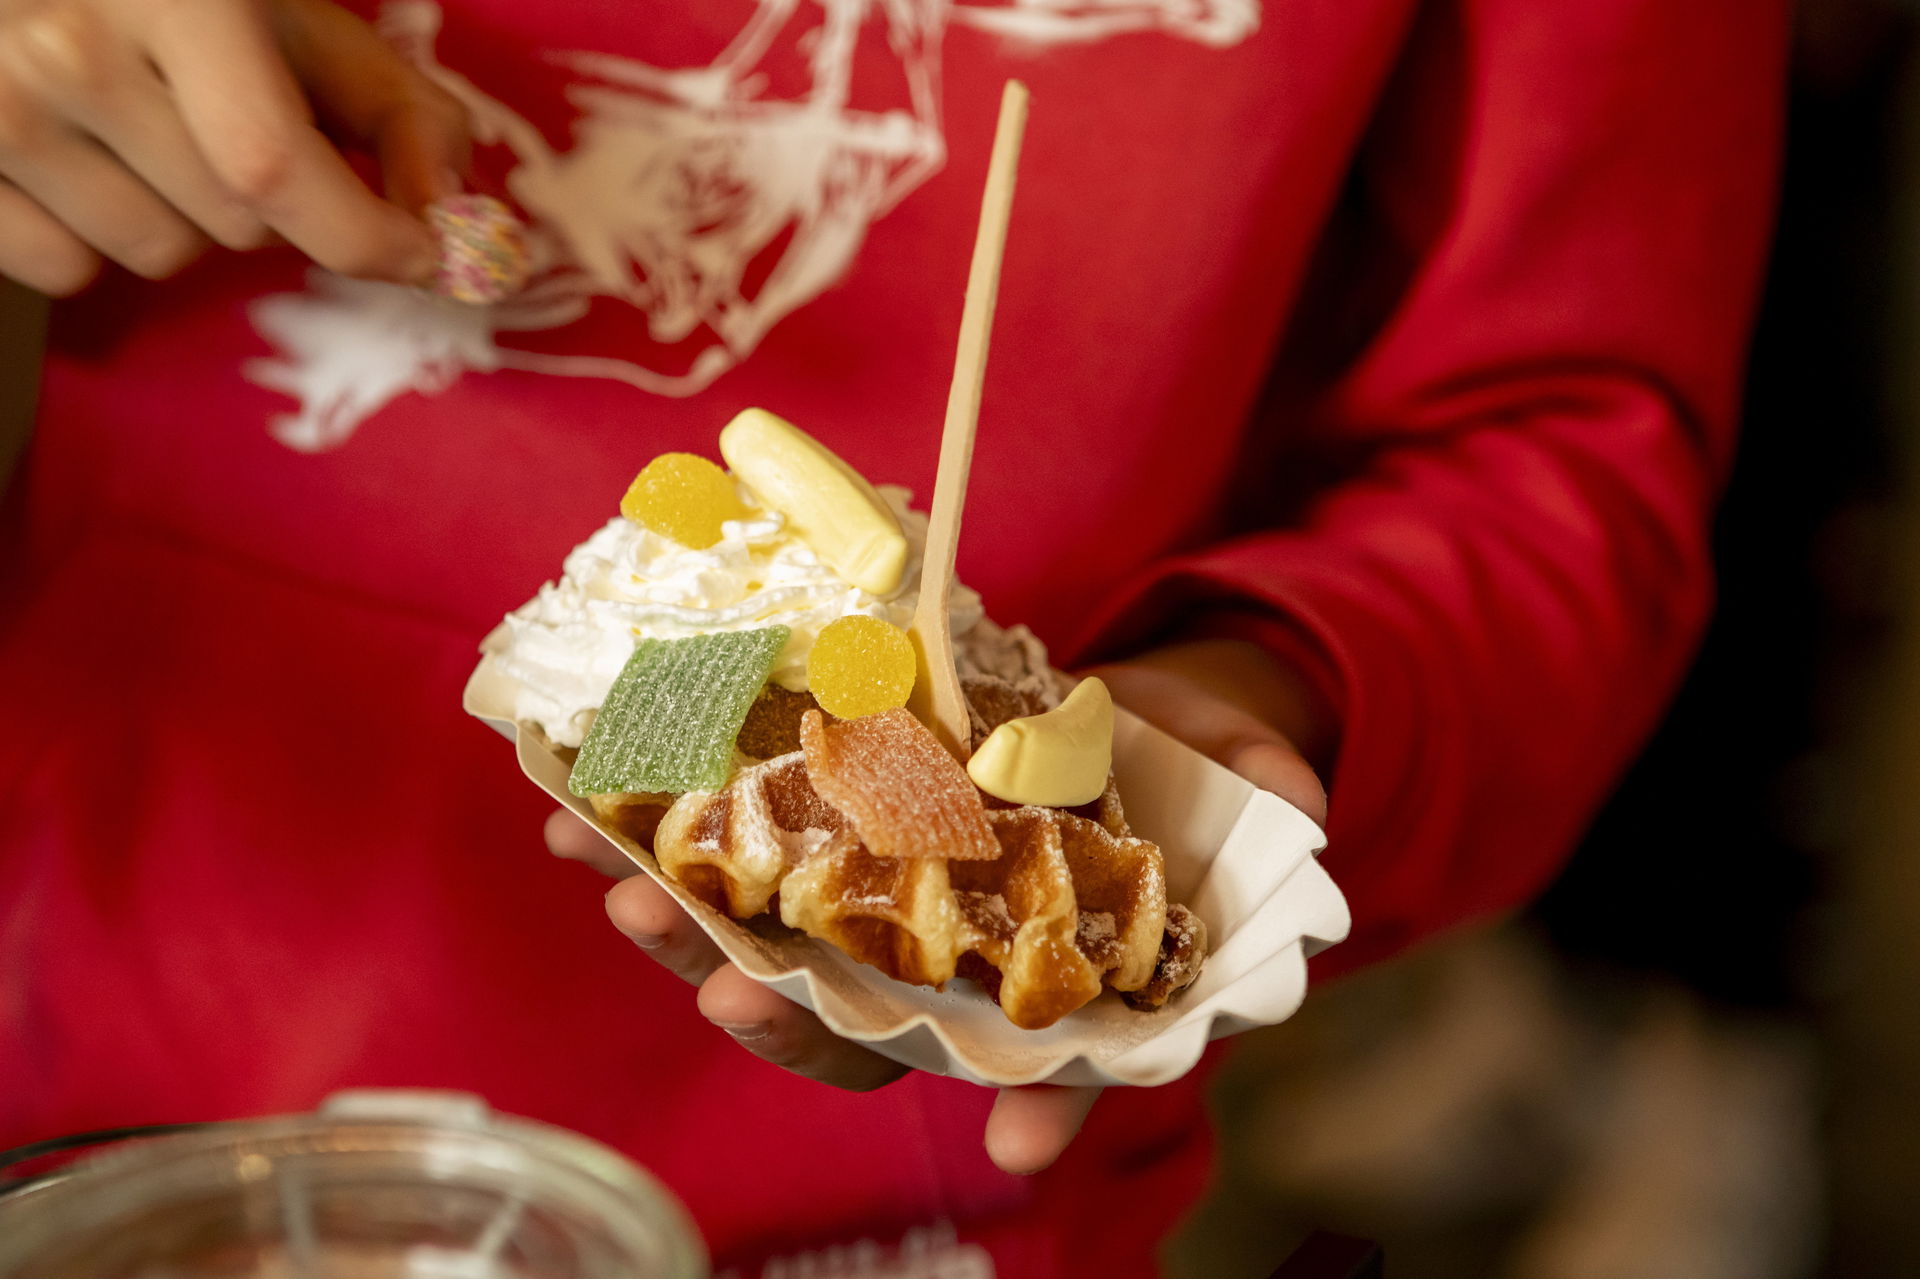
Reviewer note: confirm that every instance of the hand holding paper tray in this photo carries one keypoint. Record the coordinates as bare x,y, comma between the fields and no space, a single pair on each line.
888,848
1241,857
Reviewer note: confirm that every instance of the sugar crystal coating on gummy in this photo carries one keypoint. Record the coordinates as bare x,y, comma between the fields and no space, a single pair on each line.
860,665
669,722
684,497
904,794
483,249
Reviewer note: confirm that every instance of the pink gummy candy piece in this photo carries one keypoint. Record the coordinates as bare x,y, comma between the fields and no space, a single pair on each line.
905,795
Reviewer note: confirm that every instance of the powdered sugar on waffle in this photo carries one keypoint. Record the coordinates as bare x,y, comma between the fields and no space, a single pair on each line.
988,911
1096,929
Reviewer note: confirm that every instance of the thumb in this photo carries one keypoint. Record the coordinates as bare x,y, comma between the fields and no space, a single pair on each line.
1031,1127
365,90
1223,699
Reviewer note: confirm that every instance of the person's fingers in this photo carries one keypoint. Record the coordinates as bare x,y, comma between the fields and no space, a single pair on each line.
39,252
141,126
67,58
67,174
779,1031
364,88
246,112
654,922
1277,767
1029,1128
1191,692
569,837
96,198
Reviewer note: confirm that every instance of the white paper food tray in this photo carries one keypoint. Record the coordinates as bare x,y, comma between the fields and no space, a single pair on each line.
1242,858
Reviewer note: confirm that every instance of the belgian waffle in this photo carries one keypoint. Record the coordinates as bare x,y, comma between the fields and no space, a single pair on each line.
1074,903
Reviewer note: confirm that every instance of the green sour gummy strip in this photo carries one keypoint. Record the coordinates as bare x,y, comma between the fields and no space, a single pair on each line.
670,720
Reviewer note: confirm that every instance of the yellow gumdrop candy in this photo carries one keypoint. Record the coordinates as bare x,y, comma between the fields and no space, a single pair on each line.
860,665
684,497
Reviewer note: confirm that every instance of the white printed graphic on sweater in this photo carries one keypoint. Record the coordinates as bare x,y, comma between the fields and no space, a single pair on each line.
677,186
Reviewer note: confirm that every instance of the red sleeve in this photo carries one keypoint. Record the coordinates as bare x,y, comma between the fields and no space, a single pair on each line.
1500,594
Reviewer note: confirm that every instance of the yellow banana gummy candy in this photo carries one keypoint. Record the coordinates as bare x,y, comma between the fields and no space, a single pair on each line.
826,503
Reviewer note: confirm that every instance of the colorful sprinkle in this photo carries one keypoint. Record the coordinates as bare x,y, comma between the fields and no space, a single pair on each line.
483,249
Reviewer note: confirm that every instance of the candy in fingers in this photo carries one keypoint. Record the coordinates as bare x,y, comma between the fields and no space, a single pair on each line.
483,249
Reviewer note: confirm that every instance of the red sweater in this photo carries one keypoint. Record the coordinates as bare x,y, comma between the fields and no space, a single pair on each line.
1412,330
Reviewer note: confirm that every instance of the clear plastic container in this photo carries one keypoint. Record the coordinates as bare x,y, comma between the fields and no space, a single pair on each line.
374,1185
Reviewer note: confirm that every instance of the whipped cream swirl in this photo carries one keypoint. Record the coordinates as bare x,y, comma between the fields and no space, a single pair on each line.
626,583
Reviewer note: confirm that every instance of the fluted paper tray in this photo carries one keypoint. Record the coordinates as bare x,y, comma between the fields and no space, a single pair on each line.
1242,858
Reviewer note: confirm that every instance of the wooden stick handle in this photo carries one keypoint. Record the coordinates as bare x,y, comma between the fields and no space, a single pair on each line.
945,703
